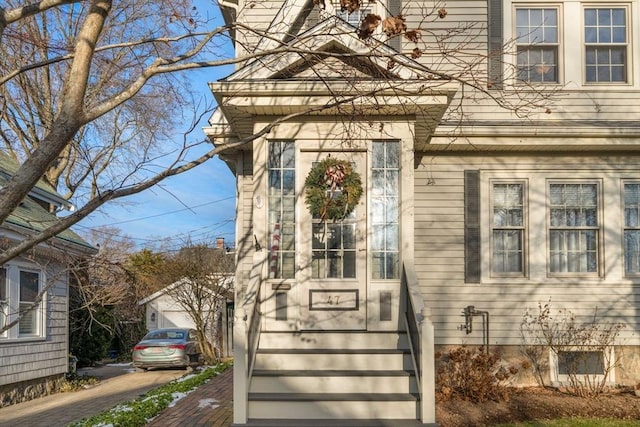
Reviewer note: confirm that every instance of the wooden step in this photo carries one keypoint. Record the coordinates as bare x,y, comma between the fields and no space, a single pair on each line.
335,340
334,423
329,381
333,405
333,359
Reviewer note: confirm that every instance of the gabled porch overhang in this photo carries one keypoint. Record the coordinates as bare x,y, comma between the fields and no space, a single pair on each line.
241,102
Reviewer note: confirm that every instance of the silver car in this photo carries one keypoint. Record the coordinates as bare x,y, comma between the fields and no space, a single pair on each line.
167,348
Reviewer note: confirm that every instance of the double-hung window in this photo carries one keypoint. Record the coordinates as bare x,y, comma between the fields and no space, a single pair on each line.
631,200
573,228
508,228
537,45
354,18
605,38
29,294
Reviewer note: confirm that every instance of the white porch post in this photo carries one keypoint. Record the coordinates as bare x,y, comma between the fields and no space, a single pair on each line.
240,367
428,407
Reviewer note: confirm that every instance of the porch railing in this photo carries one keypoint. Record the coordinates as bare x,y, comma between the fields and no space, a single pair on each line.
246,338
421,341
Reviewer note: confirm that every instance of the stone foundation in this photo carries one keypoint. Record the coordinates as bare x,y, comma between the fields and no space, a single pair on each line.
627,371
11,394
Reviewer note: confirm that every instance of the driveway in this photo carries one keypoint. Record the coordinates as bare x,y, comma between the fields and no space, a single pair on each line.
120,383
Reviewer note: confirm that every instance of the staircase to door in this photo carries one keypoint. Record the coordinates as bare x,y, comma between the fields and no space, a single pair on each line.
350,378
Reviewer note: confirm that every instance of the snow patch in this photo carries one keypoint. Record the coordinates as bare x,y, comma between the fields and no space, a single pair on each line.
203,403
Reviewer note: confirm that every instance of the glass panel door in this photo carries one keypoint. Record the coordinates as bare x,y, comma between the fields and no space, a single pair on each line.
333,257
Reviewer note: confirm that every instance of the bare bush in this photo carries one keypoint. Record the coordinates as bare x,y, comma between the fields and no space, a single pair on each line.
584,351
472,374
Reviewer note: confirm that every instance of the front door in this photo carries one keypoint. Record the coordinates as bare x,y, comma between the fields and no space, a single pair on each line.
332,257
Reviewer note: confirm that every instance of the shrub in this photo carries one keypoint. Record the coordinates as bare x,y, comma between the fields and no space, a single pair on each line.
471,374
573,342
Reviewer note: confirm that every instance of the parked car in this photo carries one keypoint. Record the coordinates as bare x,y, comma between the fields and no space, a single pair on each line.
167,348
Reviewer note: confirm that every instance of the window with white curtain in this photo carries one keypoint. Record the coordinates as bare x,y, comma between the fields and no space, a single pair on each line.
574,228
508,228
631,200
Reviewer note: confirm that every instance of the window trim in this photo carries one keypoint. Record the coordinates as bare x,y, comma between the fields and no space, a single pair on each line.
524,228
628,48
608,358
559,45
632,275
271,241
13,300
599,228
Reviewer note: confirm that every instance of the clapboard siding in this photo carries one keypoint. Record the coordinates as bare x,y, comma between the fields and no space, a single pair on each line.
439,227
258,15
245,242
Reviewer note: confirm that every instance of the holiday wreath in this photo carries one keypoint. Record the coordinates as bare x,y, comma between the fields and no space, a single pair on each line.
333,189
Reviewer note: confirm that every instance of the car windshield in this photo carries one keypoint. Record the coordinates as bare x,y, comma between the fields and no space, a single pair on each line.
165,335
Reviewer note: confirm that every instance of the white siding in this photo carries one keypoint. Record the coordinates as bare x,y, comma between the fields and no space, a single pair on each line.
439,242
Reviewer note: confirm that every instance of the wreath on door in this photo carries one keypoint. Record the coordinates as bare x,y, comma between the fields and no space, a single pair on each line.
333,189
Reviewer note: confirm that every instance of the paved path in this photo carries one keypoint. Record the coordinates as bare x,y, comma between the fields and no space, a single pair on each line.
58,410
209,405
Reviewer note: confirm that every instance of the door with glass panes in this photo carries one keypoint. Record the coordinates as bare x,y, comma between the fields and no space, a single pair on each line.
332,257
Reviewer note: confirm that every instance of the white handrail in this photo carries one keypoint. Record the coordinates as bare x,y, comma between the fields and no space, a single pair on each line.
418,318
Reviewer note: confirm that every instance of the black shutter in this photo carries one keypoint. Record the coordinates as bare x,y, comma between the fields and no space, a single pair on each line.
472,226
312,14
495,45
395,9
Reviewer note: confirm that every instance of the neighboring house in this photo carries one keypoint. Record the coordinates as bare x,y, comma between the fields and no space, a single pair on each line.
34,354
163,310
485,213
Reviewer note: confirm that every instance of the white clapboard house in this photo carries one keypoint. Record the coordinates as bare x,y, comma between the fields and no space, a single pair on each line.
479,202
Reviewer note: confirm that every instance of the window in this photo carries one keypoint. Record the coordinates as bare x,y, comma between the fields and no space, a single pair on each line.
29,289
573,228
582,365
355,17
537,45
631,200
282,197
334,248
605,37
508,229
3,297
385,204
20,300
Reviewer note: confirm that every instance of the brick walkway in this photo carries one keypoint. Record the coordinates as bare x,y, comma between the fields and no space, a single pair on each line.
210,405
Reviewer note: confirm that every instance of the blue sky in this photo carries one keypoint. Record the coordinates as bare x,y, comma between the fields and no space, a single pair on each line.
199,204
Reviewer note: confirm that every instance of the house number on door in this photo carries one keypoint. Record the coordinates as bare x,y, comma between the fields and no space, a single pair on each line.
333,299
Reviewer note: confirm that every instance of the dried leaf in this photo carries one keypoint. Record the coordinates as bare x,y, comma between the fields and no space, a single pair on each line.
368,26
350,5
413,35
394,25
442,12
416,53
390,64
